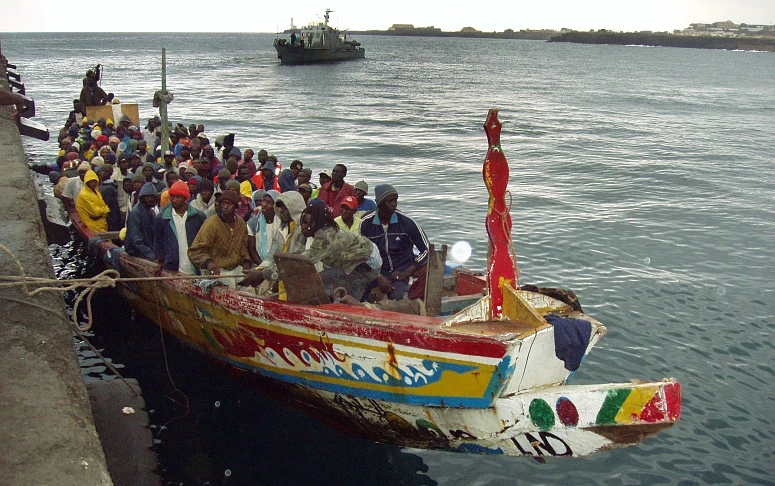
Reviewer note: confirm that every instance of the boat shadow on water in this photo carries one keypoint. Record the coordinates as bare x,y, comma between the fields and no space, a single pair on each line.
229,424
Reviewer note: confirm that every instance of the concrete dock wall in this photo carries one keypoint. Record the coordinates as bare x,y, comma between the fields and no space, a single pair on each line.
47,433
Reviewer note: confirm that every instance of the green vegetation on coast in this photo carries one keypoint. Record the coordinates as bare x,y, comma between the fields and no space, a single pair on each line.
668,40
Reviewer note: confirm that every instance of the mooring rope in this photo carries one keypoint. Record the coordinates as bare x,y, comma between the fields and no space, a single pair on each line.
512,251
107,279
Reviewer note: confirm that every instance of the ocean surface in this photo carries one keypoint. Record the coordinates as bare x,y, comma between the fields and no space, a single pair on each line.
641,178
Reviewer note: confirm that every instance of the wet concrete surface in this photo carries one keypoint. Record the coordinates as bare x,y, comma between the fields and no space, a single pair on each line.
47,434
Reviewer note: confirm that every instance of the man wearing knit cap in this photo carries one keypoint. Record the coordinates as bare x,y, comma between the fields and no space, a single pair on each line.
149,171
395,235
219,146
138,180
221,246
204,200
113,143
243,205
176,228
75,184
170,177
141,224
145,155
109,192
220,181
360,190
333,192
306,191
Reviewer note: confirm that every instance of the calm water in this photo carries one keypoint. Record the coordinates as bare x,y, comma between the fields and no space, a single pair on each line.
641,178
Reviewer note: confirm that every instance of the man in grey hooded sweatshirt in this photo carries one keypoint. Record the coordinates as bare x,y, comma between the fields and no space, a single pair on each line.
288,207
141,223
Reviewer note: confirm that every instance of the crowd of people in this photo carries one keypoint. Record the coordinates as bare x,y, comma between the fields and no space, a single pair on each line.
205,207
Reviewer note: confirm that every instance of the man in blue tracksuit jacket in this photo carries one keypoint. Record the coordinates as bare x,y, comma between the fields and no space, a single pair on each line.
395,235
176,227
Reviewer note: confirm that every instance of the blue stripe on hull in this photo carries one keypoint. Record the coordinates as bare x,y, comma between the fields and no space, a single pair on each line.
504,369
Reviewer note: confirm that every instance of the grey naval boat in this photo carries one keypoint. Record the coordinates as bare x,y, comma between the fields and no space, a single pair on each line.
318,42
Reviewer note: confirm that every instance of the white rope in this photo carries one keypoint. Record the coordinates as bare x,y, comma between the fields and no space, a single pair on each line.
107,279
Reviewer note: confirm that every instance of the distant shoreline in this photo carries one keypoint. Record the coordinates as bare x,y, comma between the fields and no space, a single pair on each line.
420,32
745,43
669,40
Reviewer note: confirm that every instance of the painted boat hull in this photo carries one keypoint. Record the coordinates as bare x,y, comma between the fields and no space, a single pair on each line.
300,55
489,388
562,421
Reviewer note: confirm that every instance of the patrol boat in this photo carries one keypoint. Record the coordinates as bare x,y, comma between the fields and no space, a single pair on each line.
318,42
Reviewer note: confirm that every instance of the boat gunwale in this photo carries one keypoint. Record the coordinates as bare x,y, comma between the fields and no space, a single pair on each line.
420,332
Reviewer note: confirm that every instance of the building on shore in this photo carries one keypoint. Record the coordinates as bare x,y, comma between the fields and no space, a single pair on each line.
729,29
410,28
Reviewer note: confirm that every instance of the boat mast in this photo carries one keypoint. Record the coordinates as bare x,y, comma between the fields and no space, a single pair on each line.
161,99
502,268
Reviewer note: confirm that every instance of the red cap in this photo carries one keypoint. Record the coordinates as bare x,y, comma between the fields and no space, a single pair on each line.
180,188
350,202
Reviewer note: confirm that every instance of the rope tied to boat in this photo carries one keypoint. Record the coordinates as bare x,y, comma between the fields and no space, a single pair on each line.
503,216
106,279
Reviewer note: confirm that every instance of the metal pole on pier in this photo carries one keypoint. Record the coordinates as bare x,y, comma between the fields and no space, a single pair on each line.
161,99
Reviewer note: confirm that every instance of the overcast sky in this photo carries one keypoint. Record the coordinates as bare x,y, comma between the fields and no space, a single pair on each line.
271,16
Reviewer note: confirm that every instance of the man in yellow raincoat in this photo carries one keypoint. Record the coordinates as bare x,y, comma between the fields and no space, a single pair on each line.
90,205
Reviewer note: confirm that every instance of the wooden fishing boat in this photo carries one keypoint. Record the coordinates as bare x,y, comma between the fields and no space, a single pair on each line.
490,378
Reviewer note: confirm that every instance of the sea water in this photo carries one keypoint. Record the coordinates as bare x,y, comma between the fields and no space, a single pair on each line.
641,178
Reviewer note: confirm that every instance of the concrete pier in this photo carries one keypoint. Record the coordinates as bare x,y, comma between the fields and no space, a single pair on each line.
47,432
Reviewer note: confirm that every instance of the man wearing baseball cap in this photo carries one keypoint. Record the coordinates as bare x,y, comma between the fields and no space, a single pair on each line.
176,227
360,190
347,220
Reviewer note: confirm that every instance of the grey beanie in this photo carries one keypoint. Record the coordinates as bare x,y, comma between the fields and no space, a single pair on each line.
258,196
362,186
382,191
148,189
